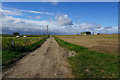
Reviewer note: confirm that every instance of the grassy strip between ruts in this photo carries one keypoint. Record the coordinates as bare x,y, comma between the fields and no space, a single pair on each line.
15,52
90,64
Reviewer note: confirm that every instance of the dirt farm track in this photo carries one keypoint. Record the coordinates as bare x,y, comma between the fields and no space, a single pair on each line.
51,61
48,61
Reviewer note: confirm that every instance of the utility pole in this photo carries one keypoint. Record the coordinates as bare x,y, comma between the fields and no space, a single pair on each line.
47,29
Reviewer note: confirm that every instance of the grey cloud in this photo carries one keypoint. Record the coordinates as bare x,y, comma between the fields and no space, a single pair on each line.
37,17
109,27
12,24
37,12
18,12
53,2
14,12
63,20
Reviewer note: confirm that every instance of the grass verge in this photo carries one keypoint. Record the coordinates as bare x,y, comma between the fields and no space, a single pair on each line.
90,64
16,51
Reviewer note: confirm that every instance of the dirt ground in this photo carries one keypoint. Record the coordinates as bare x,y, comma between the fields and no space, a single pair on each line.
100,43
48,61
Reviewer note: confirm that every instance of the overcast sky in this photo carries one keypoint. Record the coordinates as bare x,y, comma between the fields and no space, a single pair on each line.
62,17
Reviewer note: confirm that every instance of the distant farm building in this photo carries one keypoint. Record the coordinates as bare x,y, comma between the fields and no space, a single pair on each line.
16,33
75,34
86,33
96,33
24,36
17,36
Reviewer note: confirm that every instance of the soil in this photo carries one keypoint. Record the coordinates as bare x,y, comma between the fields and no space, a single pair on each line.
100,43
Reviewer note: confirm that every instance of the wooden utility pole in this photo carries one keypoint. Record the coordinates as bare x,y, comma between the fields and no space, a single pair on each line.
47,29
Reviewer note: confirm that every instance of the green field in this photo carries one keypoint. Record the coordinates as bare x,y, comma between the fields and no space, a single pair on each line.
7,41
91,64
13,47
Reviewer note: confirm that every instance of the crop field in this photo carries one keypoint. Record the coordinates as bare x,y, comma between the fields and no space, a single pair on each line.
13,47
0,42
101,43
8,41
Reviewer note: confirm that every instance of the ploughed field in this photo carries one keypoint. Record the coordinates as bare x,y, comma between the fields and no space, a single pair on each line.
101,43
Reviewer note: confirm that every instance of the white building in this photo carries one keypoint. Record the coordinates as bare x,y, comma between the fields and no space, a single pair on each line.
24,36
96,33
17,36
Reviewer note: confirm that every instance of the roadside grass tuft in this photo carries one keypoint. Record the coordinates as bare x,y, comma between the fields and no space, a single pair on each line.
90,64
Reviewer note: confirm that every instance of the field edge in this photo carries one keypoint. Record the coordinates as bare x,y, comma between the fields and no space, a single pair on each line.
90,64
20,54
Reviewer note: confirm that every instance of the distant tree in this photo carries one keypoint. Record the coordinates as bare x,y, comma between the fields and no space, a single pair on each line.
15,33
